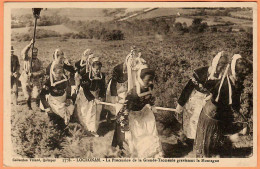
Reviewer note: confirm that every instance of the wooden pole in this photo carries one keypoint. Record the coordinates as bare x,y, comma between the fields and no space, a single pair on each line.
34,34
157,108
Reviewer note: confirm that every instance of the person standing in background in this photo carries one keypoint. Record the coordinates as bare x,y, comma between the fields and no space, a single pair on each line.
15,69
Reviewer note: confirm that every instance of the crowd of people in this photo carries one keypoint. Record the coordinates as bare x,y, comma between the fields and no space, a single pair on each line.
211,98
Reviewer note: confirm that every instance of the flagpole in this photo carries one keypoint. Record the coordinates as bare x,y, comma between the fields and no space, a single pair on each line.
36,14
34,34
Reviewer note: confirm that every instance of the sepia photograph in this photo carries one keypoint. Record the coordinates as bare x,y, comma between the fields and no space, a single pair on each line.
97,84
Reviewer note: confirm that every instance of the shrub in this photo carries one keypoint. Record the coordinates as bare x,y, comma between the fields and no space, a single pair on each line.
80,144
113,35
34,136
198,26
41,33
45,20
178,26
247,102
214,29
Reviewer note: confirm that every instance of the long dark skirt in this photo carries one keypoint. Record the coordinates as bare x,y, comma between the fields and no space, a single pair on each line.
118,137
210,139
57,121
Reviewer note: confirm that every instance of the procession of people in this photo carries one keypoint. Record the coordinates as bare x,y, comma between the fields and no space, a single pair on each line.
210,98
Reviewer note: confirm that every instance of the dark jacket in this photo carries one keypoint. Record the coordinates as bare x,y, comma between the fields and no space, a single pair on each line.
78,68
199,77
15,65
117,77
89,85
57,90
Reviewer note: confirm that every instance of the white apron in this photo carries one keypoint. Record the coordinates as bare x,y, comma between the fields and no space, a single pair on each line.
193,108
121,91
58,106
142,138
88,111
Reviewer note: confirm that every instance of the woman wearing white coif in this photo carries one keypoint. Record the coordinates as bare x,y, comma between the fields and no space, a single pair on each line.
216,129
58,58
58,106
92,90
195,93
123,79
135,122
81,66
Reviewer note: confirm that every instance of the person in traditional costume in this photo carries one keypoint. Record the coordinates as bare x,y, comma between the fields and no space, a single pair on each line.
123,76
32,74
81,66
216,129
58,106
68,68
194,95
58,58
92,90
135,122
15,69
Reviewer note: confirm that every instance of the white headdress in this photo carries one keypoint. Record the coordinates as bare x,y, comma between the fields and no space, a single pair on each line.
52,73
139,74
88,53
214,64
127,68
231,77
91,61
56,52
233,64
225,75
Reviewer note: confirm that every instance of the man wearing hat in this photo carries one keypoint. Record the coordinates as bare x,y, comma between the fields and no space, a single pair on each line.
31,77
15,69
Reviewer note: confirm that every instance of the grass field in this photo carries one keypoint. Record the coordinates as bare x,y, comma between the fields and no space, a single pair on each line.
238,22
58,28
173,57
219,20
165,12
188,20
243,14
82,14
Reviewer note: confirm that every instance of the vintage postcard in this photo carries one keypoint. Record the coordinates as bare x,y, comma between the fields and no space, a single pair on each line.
120,84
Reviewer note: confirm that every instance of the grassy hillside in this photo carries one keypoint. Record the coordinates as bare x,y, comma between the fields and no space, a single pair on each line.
172,54
83,14
58,28
173,57
166,12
